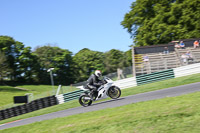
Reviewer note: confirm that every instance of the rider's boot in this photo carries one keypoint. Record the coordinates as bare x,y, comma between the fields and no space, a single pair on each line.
91,94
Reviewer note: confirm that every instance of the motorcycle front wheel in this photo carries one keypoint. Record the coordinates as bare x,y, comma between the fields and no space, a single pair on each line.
114,92
85,100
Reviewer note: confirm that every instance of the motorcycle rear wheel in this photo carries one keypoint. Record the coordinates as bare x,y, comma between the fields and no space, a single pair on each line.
114,92
85,102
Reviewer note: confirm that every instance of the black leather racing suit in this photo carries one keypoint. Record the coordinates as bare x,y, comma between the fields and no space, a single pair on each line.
93,82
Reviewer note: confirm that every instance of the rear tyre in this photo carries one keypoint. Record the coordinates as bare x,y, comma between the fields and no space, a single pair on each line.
85,100
114,92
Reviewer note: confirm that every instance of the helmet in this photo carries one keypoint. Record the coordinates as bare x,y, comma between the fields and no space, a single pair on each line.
97,73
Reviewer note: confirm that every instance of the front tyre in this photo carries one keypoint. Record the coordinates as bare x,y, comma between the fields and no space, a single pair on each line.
85,100
114,92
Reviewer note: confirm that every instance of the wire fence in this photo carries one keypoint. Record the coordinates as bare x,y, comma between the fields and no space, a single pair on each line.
125,73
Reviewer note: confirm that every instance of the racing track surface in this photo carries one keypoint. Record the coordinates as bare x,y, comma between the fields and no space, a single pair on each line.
169,92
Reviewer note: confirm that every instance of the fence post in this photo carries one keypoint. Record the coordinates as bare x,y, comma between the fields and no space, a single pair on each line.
58,90
133,61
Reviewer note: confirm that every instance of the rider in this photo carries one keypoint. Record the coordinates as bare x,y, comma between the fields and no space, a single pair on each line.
94,82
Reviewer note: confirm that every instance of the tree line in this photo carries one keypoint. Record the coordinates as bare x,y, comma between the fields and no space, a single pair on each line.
149,22
152,22
20,64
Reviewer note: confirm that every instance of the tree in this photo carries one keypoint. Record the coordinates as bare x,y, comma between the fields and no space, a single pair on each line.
20,60
4,69
153,22
86,62
57,58
128,57
114,59
12,50
7,47
28,66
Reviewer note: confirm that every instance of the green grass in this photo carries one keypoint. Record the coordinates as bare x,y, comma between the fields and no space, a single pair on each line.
44,88
167,115
125,92
7,92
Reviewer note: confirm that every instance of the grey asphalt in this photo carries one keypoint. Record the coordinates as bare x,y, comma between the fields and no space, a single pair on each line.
158,94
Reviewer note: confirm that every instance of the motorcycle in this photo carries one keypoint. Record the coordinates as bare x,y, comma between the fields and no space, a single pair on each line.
108,89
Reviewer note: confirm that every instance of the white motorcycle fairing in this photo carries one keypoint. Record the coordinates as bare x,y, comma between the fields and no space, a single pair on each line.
104,91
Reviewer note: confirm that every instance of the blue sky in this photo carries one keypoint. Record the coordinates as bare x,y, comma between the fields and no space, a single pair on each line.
68,24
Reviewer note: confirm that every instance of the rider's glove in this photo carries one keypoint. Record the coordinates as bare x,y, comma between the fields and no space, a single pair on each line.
100,83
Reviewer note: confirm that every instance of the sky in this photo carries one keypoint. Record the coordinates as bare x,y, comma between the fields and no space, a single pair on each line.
68,24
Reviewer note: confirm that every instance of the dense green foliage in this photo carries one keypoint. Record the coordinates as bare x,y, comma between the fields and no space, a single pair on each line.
57,58
152,22
114,59
20,64
4,69
20,61
86,62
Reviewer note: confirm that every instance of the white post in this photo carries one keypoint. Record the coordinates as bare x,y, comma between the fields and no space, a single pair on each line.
58,90
52,83
51,76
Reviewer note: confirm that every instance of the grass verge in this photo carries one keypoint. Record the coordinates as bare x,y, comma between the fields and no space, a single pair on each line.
7,92
169,115
125,92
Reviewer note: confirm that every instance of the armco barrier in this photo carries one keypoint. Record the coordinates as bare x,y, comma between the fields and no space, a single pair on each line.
187,70
156,76
62,98
29,107
72,95
126,83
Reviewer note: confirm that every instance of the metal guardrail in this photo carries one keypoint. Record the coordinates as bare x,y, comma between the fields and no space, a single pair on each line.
126,83
187,70
62,98
72,95
156,76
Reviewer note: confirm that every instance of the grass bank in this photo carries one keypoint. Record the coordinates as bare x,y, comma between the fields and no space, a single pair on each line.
125,92
169,115
7,92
